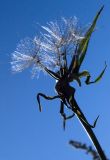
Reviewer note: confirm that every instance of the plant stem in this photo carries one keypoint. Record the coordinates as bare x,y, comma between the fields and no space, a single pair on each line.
88,129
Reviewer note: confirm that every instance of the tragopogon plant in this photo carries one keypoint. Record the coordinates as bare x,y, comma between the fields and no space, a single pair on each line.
51,52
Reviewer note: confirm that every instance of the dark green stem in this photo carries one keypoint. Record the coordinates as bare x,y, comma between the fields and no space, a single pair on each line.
87,128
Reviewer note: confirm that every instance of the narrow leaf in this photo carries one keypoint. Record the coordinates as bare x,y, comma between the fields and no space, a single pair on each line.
52,74
83,74
98,78
84,43
101,74
74,62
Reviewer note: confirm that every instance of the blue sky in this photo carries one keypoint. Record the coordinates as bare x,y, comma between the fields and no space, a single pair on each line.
26,134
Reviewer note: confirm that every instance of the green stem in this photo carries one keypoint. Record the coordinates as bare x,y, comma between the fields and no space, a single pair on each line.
87,128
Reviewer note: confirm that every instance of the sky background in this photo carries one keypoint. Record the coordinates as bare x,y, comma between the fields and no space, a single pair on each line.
26,134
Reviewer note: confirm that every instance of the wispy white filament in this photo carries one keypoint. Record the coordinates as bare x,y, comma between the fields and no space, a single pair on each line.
45,50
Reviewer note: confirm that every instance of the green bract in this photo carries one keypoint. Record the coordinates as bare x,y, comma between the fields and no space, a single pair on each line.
80,53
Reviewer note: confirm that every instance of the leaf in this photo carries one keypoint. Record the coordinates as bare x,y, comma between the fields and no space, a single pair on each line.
74,77
84,43
52,74
70,99
74,62
101,74
83,74
98,78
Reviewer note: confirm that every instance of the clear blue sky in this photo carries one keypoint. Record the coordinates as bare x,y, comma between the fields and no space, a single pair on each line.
26,134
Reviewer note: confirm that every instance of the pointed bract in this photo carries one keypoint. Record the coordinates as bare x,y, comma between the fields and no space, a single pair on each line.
84,43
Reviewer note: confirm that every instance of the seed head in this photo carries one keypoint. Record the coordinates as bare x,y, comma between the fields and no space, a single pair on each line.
46,49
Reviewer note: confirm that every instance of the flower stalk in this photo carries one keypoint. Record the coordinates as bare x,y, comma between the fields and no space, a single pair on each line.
87,128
